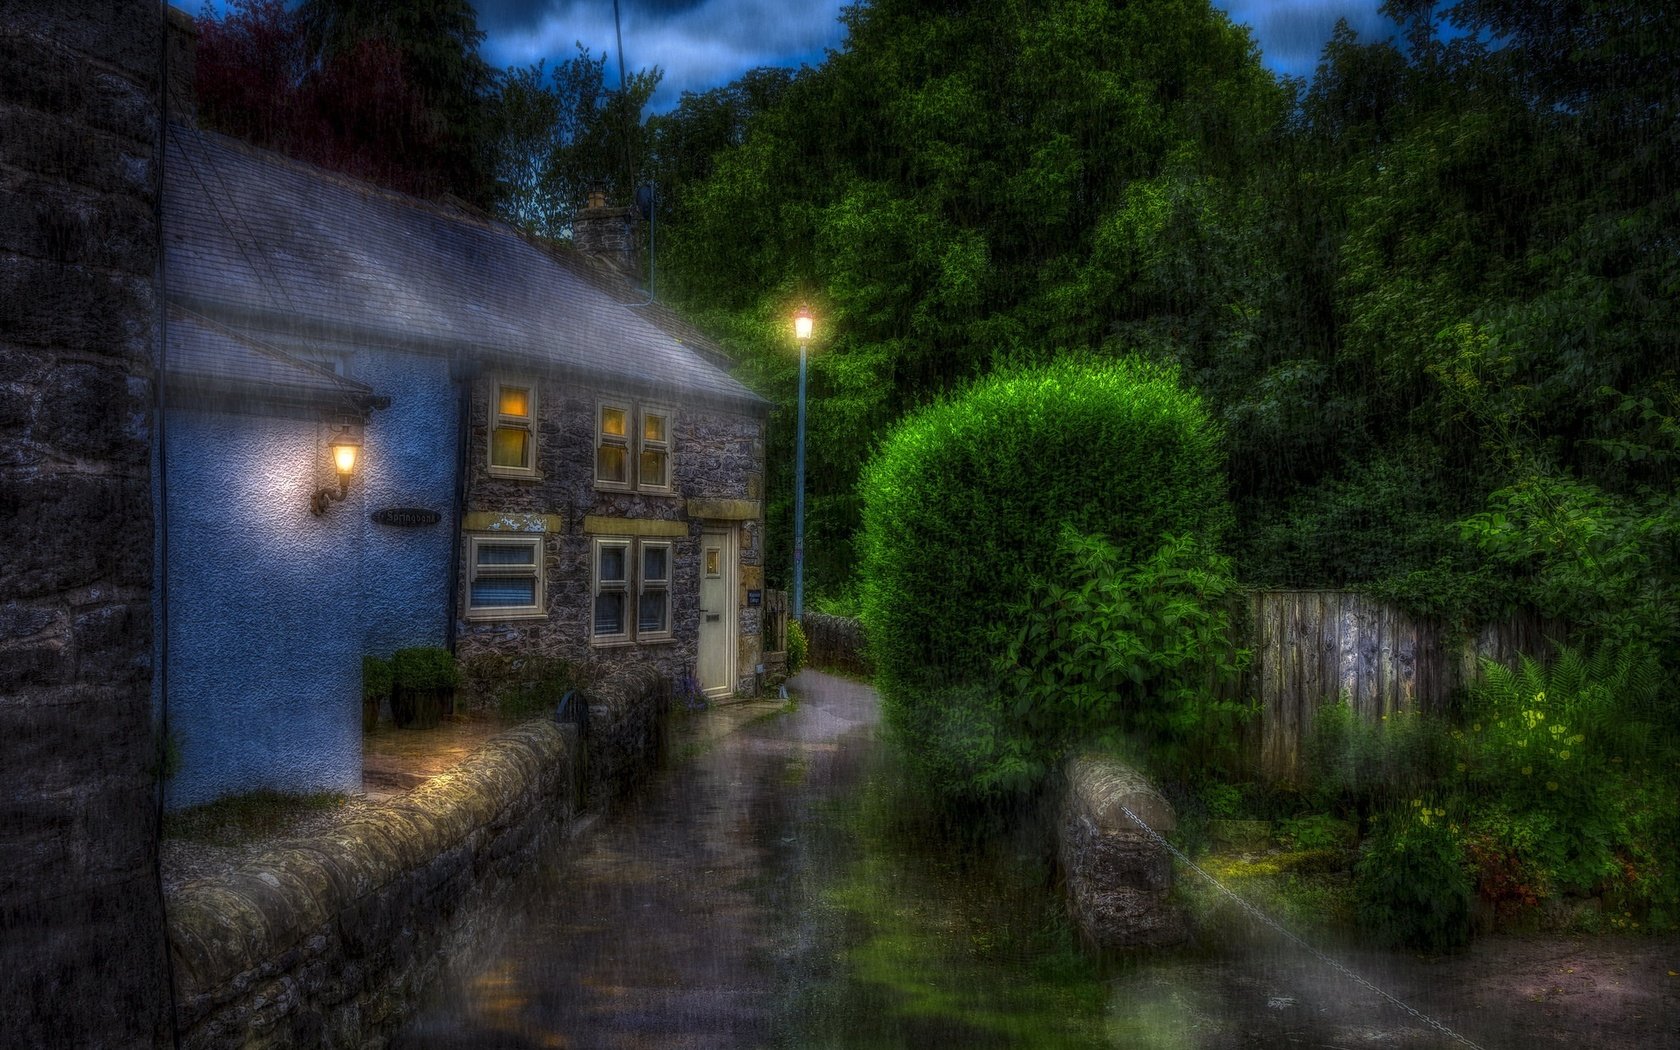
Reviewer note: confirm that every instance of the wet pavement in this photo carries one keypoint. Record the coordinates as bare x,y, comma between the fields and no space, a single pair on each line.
776,887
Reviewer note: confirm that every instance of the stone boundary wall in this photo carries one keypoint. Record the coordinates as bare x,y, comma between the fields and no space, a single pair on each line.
329,941
836,641
81,921
1116,876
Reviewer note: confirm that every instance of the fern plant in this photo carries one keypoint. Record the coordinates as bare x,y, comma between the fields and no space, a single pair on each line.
1559,750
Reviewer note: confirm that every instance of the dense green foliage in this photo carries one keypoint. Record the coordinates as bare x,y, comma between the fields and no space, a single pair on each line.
797,647
1411,886
965,511
1103,647
424,667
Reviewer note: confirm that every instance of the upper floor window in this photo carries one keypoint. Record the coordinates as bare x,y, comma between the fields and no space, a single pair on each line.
513,429
633,446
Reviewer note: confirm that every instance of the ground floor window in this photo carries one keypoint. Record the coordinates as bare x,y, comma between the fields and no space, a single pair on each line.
506,577
632,590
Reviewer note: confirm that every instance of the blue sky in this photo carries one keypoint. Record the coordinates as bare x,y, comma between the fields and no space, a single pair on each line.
703,44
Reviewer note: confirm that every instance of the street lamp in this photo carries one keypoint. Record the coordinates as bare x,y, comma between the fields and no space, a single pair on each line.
801,332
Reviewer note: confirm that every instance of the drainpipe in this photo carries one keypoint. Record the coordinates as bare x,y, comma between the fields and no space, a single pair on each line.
463,419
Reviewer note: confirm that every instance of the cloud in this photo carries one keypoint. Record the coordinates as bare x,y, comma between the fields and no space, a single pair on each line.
1292,33
700,44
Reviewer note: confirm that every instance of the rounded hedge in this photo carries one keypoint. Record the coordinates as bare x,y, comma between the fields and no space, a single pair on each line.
963,509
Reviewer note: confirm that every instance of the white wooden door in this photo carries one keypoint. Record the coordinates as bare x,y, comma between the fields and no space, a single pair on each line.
718,614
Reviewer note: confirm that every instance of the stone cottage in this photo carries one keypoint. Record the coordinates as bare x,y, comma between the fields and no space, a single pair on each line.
543,464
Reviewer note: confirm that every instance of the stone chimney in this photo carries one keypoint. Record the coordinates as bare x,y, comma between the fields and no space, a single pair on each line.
608,234
183,67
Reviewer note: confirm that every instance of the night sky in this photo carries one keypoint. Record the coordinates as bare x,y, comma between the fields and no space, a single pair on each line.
703,44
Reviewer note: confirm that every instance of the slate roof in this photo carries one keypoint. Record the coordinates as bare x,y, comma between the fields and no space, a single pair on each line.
206,357
265,242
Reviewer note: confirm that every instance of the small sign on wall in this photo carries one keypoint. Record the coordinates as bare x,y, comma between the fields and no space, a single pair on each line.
755,598
406,517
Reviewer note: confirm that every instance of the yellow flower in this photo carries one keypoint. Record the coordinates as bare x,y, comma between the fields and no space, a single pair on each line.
1477,728
1462,767
1563,754
1540,697
1416,802
1440,812
1551,785
1527,770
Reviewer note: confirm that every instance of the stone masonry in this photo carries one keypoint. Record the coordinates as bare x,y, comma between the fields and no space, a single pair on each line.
1117,877
717,456
82,948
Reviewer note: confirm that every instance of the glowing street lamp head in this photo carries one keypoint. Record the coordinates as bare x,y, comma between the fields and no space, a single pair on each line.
802,325
344,449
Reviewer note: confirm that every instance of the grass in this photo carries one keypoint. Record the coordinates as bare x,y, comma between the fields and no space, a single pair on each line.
239,819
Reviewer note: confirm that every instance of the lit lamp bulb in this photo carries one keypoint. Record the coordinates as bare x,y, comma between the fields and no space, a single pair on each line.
344,448
802,325
344,456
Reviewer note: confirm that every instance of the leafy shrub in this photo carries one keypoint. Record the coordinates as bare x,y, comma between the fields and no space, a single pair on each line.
1410,883
964,510
1358,766
1566,748
1317,831
376,678
797,647
424,667
1101,646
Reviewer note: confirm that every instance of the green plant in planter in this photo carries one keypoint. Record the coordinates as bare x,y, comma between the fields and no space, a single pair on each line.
423,683
797,647
376,689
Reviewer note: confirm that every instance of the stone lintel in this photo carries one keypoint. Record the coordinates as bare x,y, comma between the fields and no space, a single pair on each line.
726,509
495,521
600,525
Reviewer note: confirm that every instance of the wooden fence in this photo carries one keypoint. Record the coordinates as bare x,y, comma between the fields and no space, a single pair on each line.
1312,646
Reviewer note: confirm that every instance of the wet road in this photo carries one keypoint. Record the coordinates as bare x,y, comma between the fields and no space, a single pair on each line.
664,925
776,887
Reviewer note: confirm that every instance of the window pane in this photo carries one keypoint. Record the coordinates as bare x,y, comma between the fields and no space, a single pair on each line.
514,401
655,563
612,463
507,554
612,564
504,590
653,427
609,613
714,562
650,611
510,447
612,422
653,468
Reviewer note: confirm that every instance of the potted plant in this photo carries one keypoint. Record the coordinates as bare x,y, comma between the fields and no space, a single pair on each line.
423,682
376,689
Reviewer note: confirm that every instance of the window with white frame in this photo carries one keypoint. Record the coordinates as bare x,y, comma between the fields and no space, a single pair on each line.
513,428
633,446
506,577
632,590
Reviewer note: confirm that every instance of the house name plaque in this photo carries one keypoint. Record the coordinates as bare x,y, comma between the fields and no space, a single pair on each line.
406,517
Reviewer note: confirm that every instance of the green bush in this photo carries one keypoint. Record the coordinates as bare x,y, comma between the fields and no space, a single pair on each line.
424,667
376,679
797,647
1102,647
1410,883
1358,766
964,511
1563,751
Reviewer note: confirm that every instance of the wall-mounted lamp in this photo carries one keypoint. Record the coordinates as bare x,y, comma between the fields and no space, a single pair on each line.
345,446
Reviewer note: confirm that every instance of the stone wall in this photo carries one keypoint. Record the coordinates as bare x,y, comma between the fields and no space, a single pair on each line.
1116,876
330,941
836,641
717,462
83,949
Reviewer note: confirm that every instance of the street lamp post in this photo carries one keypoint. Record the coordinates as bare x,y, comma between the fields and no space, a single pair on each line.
801,332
